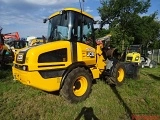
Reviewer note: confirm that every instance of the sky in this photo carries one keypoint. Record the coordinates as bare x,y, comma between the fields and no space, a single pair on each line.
26,16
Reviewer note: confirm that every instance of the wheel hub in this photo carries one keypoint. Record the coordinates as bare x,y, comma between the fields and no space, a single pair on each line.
120,75
77,85
80,86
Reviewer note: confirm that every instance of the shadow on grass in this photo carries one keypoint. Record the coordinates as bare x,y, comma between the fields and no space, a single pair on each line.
128,110
6,67
56,93
154,77
88,114
5,71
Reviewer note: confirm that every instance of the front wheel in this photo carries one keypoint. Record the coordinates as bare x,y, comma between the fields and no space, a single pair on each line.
77,85
118,74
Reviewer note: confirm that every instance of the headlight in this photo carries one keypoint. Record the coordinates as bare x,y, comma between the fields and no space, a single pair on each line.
137,58
21,67
25,68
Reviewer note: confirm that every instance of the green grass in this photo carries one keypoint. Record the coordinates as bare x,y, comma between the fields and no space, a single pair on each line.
21,102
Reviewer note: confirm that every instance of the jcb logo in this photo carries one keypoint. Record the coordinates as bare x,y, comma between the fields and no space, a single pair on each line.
19,57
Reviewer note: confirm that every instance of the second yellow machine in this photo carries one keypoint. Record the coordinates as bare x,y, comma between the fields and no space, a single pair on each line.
69,60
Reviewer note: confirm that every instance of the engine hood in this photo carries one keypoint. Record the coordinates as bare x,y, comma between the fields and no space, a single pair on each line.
49,53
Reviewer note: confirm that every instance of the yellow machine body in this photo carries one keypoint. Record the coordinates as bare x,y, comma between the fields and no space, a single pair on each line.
69,59
30,72
36,42
133,57
45,66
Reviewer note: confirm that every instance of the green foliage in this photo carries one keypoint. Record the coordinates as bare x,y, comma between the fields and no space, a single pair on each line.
121,11
120,40
156,44
147,29
101,33
125,23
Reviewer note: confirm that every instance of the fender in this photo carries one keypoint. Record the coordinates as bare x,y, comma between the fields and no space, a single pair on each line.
70,68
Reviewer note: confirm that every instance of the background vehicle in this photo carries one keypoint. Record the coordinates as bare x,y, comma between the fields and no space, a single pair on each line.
144,61
36,41
133,54
9,37
70,59
6,54
17,45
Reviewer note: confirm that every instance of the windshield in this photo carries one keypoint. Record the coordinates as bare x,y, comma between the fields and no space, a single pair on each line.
134,49
58,27
72,26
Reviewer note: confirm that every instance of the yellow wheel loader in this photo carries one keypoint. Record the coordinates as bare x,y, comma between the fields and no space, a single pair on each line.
36,41
133,54
69,60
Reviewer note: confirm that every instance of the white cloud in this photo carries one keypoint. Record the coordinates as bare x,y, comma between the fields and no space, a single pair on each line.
42,2
26,16
6,1
25,25
98,18
48,2
88,9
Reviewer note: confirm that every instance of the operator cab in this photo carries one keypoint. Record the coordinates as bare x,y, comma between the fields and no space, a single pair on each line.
71,25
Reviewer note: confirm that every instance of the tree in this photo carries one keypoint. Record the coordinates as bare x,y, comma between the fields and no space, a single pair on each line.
102,33
145,29
120,14
119,37
121,11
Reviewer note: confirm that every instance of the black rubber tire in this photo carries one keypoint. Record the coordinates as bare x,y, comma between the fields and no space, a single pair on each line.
115,74
151,65
67,90
136,73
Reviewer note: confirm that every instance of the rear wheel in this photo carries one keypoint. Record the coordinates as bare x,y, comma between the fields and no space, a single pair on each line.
142,66
77,85
118,74
150,65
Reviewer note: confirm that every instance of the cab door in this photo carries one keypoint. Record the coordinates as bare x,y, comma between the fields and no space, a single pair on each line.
85,39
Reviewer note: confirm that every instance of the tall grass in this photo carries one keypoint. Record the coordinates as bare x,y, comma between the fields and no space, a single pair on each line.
21,102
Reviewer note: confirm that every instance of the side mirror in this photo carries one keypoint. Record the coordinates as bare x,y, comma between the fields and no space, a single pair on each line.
45,20
1,29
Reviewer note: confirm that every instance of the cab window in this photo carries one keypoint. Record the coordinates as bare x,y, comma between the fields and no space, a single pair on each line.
83,29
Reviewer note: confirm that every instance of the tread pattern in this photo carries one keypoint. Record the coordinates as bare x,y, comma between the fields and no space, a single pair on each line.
113,79
67,88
